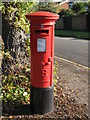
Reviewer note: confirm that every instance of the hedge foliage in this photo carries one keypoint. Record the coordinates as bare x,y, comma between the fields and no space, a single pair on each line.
76,9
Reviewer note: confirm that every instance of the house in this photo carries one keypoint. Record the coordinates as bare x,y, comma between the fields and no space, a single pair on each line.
64,5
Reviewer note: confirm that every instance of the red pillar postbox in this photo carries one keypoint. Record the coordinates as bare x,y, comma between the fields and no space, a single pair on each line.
42,59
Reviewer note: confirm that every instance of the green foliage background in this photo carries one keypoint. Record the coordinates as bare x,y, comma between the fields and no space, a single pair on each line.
76,9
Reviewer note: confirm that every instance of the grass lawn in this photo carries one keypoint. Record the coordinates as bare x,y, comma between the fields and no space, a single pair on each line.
77,34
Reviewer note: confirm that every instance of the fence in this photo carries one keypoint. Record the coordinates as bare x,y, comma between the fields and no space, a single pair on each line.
77,23
59,24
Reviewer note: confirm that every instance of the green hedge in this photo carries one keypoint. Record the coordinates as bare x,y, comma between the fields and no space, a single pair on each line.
77,34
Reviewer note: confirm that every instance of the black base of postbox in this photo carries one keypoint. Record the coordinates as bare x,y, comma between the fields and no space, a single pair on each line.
41,100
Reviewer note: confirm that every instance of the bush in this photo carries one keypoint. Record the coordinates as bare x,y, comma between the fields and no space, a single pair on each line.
48,6
15,80
66,12
88,6
78,8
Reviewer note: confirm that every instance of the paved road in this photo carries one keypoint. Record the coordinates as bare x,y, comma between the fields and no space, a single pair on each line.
72,49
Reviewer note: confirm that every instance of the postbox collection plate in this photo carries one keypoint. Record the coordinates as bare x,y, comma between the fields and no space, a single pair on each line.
41,44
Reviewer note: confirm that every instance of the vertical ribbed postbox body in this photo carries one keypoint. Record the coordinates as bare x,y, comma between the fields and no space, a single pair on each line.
42,59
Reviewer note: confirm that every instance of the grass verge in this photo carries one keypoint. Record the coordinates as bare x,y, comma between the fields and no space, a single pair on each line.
77,34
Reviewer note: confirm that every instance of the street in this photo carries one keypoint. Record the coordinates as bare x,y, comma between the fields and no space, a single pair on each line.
72,49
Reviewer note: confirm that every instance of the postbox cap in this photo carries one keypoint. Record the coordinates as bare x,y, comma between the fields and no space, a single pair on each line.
42,16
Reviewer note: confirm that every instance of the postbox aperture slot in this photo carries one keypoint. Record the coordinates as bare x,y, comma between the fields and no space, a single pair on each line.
41,44
42,31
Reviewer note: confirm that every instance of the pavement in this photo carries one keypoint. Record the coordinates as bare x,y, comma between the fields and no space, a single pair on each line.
74,80
72,49
72,57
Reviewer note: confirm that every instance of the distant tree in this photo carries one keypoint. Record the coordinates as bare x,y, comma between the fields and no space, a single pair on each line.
88,5
64,12
78,7
47,6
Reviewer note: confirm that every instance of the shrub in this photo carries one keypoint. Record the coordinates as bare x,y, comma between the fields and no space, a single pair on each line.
66,12
15,80
88,5
78,7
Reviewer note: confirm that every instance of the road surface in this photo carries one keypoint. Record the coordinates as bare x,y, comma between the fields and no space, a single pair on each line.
72,49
